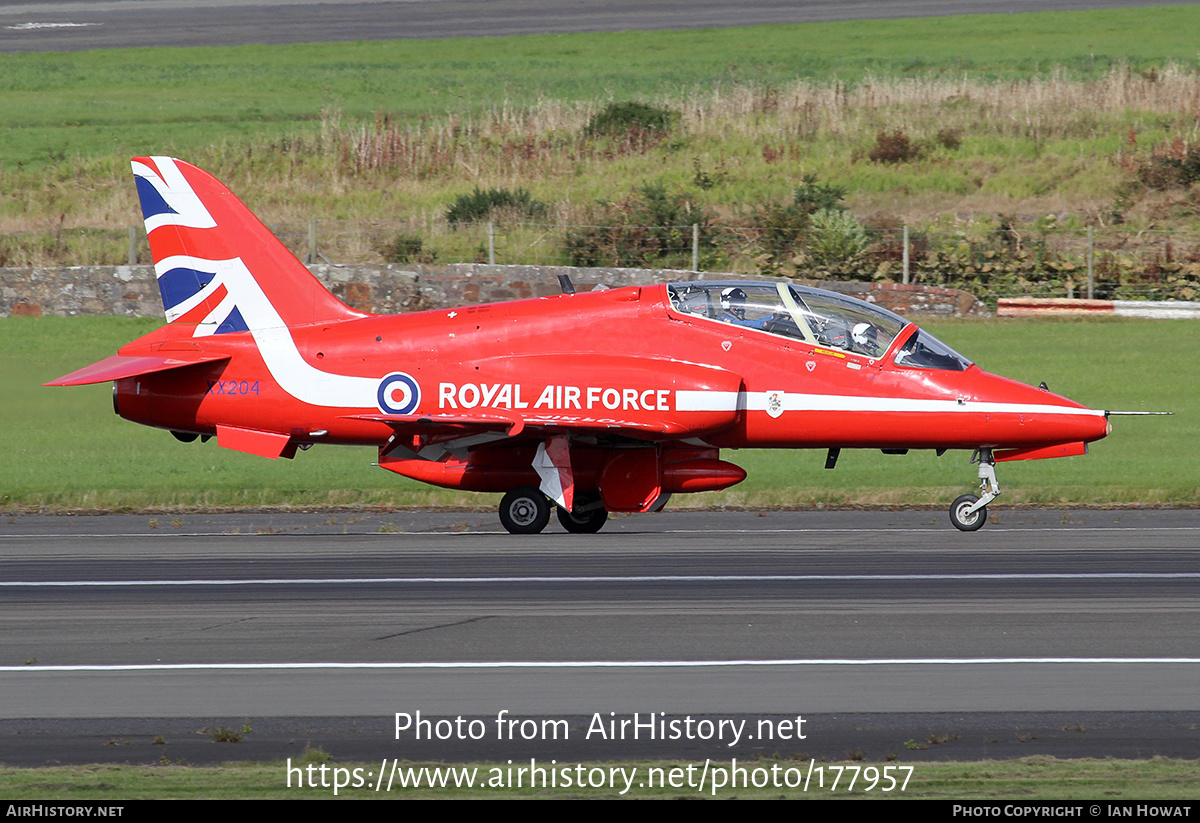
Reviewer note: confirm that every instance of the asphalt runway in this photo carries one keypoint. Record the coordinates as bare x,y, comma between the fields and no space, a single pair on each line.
1073,633
74,25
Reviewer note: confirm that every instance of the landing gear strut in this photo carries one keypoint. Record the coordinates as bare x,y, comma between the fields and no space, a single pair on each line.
968,513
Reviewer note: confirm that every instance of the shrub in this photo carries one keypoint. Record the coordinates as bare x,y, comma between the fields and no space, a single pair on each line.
812,196
781,227
652,227
949,138
777,231
618,119
1173,165
835,236
480,206
405,247
894,147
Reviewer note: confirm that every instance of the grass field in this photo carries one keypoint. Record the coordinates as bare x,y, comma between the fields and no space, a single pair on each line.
133,101
1030,779
65,449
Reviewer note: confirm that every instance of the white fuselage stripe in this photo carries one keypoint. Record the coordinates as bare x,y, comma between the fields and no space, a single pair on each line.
796,402
292,372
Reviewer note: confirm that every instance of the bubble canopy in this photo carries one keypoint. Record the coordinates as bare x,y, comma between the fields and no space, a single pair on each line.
815,316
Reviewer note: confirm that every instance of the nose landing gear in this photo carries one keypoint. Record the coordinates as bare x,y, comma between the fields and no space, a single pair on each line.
968,513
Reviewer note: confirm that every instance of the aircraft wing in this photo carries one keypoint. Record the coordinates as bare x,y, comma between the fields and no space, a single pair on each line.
544,424
120,365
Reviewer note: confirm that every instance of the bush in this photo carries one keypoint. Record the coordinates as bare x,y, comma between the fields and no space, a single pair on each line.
619,119
480,206
894,147
949,138
405,247
651,228
781,227
778,228
835,236
812,196
1174,165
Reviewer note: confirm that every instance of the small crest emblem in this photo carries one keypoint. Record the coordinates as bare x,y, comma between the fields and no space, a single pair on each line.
774,403
810,365
726,345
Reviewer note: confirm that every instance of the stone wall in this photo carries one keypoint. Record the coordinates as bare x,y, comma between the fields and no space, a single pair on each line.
133,290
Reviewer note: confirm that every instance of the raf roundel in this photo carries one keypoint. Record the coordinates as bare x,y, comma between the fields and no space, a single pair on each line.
399,393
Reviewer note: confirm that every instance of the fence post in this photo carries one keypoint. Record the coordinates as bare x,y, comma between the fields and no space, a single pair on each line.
311,257
491,243
695,247
1091,259
133,245
905,244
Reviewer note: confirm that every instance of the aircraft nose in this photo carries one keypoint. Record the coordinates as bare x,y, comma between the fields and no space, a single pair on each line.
1035,415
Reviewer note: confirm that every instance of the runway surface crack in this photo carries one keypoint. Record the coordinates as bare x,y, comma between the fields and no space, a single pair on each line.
200,629
435,628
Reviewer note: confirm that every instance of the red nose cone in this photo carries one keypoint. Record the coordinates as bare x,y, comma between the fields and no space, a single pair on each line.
1020,416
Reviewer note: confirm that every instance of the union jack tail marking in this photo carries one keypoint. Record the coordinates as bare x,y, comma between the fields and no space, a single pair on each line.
219,268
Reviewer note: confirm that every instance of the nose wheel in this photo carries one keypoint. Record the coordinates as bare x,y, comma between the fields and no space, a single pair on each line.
968,513
965,515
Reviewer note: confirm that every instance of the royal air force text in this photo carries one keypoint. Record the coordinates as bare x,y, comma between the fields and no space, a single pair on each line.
553,398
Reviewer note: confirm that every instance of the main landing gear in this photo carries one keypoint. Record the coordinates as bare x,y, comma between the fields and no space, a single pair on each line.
526,510
588,516
968,513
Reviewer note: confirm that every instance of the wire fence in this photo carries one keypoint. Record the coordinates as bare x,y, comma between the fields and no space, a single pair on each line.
1044,261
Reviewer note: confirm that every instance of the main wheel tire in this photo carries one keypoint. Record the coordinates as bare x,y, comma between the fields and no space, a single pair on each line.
524,510
588,522
967,522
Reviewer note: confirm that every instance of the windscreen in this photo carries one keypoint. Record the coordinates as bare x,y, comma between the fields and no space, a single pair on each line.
924,351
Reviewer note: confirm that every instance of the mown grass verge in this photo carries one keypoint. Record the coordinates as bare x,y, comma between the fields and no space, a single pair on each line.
65,449
1029,778
130,101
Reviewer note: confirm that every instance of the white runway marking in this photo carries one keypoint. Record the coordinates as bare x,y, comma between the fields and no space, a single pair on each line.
661,578
610,664
35,26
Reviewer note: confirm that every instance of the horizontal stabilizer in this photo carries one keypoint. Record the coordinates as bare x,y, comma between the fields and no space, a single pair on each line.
119,366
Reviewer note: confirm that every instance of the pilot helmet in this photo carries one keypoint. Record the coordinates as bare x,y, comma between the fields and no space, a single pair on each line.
733,300
866,336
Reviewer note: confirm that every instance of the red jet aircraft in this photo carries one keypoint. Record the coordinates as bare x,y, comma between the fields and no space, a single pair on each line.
593,403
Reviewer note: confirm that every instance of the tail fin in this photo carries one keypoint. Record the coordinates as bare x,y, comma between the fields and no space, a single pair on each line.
219,268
